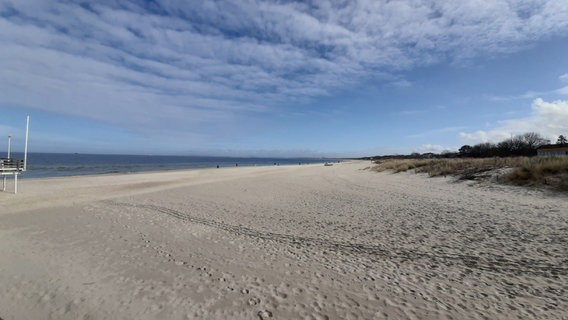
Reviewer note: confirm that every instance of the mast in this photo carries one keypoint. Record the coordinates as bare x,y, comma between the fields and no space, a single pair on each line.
9,144
26,143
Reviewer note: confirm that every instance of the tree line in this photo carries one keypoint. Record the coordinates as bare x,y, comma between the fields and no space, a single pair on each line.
519,145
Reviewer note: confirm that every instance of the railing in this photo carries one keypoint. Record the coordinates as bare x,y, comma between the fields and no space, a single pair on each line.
10,165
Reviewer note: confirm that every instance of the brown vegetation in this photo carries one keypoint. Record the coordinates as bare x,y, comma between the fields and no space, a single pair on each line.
528,171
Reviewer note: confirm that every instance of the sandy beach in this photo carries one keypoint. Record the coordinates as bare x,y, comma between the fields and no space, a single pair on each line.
287,242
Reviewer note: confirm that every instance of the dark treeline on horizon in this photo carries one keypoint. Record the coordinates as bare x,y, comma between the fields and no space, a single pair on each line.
517,146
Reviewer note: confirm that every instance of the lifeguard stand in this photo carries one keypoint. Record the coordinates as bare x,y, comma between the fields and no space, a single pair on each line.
14,167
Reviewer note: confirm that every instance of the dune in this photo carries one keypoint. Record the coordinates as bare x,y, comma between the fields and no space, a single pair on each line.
286,242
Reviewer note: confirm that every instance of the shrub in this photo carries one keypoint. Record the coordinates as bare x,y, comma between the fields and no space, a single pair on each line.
533,171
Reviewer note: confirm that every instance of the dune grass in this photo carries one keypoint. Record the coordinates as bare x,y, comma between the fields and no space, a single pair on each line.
528,171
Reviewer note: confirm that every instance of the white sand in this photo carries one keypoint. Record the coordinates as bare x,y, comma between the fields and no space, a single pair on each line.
297,242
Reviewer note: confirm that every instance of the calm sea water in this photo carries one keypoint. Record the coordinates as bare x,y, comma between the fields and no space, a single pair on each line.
44,165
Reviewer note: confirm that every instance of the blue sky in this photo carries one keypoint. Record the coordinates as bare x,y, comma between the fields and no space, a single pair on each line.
281,78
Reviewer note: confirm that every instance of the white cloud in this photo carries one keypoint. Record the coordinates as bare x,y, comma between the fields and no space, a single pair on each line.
550,119
562,91
534,94
406,113
402,83
434,148
436,132
201,64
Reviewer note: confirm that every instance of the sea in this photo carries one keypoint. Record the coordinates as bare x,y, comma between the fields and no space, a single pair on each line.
48,165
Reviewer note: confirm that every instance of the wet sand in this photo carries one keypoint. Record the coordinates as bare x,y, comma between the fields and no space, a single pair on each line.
288,242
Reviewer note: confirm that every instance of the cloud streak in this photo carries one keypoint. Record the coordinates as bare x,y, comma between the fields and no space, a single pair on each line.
548,118
173,65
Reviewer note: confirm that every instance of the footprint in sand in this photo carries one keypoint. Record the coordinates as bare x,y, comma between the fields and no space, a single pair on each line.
253,301
264,314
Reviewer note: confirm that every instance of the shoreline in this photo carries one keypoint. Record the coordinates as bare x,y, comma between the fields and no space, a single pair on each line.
169,171
49,190
281,242
45,165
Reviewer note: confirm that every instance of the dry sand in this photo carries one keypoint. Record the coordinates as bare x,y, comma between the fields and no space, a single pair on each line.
297,242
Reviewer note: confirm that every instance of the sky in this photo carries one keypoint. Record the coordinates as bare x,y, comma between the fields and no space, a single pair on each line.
280,78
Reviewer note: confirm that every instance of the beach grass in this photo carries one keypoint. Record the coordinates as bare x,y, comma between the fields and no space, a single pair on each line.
527,171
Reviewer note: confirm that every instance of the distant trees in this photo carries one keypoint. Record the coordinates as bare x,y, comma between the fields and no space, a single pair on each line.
520,145
466,149
533,140
561,140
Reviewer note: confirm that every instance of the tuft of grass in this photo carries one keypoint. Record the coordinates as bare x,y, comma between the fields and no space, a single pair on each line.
533,171
552,171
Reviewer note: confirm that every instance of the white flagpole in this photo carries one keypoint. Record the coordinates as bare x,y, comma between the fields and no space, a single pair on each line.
26,143
9,144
